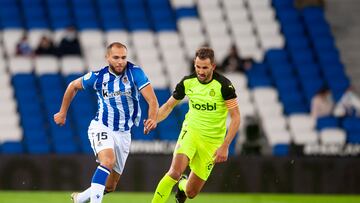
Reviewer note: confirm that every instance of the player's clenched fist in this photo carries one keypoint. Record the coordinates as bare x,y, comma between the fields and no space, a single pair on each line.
149,124
60,118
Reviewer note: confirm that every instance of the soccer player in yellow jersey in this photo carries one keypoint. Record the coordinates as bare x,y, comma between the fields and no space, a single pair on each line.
203,140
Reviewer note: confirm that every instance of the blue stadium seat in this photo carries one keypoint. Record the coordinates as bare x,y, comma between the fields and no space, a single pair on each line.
351,124
301,57
136,15
259,81
186,13
12,148
312,86
289,16
287,85
305,72
34,14
281,71
162,95
10,16
183,108
23,79
68,147
324,43
297,42
161,15
313,14
29,122
36,141
353,138
327,122
281,4
276,56
137,133
169,128
59,14
281,150
258,75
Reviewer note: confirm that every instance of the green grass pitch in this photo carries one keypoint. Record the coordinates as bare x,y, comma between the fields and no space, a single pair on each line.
63,197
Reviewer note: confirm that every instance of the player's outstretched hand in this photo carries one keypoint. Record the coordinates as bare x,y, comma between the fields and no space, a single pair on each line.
221,154
149,124
60,118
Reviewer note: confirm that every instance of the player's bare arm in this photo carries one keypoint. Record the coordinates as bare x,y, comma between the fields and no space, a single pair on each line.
166,108
221,154
70,92
150,97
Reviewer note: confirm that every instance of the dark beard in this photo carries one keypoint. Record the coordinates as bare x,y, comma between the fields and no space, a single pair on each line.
114,71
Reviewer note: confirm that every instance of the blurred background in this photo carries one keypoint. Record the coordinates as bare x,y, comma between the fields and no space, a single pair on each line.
294,65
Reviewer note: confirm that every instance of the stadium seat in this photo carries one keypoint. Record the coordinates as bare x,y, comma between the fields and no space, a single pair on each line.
333,136
281,150
12,148
327,122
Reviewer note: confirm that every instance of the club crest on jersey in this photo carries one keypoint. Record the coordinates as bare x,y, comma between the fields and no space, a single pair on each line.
212,93
125,79
210,165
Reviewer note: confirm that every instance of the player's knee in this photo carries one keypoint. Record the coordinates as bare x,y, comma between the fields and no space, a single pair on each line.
175,174
108,163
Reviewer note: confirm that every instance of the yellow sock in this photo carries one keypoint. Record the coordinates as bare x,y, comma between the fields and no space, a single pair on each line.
163,189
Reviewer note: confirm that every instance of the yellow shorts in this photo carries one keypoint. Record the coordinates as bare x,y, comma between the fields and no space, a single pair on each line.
200,151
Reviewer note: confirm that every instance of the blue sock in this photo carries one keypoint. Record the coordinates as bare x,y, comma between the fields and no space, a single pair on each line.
98,184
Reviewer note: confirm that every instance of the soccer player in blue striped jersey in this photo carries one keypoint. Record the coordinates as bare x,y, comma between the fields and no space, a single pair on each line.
118,87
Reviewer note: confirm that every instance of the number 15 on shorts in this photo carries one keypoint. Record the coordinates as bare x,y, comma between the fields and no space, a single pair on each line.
101,136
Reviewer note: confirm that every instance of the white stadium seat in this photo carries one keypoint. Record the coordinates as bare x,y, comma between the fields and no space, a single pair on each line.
275,137
143,39
117,36
301,122
72,65
304,137
333,136
10,39
91,38
182,3
20,64
46,64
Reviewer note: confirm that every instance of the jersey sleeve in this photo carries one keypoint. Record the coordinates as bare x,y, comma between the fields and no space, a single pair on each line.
140,79
88,80
179,92
228,90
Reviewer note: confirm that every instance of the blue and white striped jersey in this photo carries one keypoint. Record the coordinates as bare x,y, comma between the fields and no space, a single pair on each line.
118,95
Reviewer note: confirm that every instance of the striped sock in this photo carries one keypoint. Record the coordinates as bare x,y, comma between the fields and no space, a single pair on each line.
98,184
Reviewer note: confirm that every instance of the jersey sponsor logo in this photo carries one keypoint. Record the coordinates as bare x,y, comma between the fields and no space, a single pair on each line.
203,107
106,94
